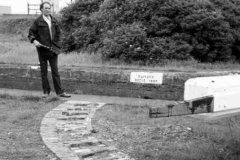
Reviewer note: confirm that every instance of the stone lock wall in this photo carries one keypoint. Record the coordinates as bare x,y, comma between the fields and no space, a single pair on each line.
100,81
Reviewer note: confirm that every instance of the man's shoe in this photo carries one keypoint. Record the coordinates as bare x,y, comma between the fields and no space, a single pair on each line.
45,95
64,95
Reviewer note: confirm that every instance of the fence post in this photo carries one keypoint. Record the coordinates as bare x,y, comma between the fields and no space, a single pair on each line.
28,7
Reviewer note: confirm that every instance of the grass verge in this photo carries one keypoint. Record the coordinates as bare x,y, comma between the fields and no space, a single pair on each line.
181,138
20,120
16,49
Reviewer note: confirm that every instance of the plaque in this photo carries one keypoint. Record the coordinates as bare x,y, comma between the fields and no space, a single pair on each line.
146,77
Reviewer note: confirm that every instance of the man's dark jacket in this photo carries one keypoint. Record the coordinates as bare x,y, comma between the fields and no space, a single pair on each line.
40,31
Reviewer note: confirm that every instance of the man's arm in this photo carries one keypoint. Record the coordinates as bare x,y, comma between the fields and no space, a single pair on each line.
33,30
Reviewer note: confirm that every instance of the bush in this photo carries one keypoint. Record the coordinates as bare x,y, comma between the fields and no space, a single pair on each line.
211,36
127,43
153,30
74,22
169,49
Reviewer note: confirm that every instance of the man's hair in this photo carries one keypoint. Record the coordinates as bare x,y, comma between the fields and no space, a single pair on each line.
42,4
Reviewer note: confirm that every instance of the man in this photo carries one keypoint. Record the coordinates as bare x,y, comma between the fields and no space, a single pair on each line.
44,34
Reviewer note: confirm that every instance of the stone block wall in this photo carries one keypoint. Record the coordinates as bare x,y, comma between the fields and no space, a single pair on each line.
101,81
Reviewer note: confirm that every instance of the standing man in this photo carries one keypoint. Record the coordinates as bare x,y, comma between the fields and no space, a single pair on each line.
45,34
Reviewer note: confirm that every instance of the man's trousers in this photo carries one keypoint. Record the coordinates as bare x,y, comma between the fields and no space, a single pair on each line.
53,62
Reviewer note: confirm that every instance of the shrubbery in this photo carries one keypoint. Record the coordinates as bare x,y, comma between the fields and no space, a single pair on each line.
151,31
15,25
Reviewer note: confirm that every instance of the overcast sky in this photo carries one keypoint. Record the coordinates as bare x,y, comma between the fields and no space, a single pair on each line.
20,6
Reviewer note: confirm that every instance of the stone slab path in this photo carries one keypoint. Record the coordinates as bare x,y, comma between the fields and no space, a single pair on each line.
67,131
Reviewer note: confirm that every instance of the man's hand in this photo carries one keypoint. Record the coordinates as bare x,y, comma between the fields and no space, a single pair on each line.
36,43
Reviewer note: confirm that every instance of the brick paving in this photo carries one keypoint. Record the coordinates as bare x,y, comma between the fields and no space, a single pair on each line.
67,131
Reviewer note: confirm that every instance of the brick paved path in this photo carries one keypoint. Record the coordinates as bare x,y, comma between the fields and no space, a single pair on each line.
66,130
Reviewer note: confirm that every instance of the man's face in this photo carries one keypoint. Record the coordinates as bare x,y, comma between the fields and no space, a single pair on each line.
46,10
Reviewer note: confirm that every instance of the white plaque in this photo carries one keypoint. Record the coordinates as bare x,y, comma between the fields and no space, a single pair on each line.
146,77
35,67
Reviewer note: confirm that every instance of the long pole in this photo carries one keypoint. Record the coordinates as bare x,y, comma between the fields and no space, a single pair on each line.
53,7
28,7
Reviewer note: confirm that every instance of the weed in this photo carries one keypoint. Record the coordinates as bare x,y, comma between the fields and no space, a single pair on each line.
21,117
3,118
6,96
31,98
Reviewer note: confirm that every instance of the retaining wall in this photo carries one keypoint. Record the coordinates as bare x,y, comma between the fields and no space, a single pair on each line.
101,81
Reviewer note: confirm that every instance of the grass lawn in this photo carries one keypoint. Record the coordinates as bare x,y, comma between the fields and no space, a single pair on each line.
20,120
173,138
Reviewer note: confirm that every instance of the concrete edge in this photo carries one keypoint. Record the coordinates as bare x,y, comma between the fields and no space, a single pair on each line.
217,115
